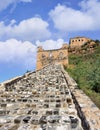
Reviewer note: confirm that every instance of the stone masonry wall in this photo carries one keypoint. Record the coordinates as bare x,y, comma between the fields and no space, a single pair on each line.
45,57
87,110
48,99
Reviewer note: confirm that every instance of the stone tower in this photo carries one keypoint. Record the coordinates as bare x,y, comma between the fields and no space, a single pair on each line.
77,42
45,57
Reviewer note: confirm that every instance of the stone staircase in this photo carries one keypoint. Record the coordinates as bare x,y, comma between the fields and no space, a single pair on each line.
47,99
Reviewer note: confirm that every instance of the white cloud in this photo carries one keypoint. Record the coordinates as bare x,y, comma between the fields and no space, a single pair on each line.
5,3
29,29
50,44
69,19
13,52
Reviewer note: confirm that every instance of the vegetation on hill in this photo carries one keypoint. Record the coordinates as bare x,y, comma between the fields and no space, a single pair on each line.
85,69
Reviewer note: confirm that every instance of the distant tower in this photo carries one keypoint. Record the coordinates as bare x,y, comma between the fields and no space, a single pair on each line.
78,41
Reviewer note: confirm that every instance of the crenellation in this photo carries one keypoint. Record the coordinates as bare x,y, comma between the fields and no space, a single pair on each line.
46,57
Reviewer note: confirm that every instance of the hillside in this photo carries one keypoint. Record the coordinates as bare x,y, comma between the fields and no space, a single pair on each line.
85,69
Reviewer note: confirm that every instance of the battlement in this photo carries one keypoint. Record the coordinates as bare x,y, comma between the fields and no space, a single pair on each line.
45,57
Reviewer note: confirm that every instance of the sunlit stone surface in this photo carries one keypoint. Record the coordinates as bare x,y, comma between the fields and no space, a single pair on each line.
40,100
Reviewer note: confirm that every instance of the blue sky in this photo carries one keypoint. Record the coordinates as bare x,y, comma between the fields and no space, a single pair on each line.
26,24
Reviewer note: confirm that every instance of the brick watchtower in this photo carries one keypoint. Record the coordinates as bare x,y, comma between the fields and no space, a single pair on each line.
45,57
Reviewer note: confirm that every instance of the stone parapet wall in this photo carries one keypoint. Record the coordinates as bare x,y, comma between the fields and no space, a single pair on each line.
87,110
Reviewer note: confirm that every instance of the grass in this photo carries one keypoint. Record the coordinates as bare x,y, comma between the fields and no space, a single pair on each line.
85,70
